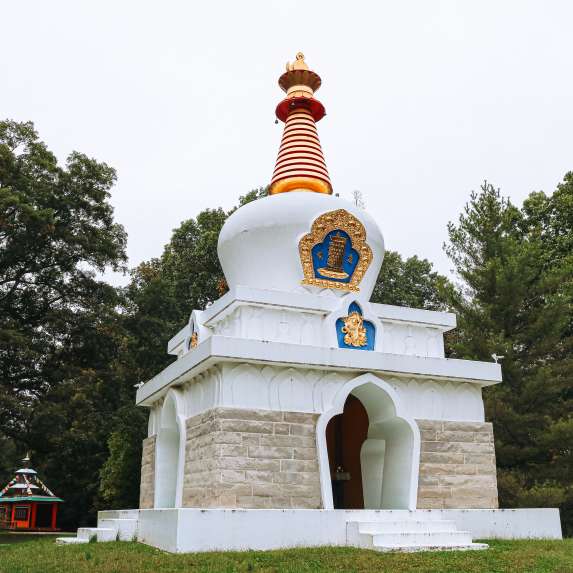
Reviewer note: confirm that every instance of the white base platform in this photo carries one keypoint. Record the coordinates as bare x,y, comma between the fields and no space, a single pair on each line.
115,526
194,530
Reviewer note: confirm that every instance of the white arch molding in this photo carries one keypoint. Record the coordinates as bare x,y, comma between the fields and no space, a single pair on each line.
170,452
390,455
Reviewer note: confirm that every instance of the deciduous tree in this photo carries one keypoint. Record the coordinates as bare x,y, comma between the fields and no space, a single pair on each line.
56,231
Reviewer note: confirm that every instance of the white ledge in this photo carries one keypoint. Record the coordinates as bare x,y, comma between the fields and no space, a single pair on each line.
313,303
304,302
178,339
217,349
443,320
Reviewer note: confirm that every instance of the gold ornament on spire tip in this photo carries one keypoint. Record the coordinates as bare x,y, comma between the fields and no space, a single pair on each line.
299,80
298,64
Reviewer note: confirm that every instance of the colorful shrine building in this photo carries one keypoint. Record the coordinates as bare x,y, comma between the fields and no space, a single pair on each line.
27,504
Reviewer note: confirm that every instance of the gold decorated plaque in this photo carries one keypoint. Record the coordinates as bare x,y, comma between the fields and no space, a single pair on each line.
339,257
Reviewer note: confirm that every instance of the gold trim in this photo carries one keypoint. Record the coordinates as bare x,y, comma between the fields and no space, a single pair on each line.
334,274
298,64
300,184
327,222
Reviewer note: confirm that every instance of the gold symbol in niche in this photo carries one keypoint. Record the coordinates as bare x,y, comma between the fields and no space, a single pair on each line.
194,340
354,331
326,223
333,267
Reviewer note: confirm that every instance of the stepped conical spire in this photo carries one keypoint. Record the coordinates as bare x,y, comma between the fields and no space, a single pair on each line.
300,164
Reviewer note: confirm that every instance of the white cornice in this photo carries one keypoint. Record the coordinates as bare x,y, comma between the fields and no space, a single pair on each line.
217,349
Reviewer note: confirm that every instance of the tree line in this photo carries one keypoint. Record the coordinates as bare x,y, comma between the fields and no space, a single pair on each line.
72,347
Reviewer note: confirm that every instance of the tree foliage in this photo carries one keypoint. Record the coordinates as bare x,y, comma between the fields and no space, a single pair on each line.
516,300
56,230
58,323
410,282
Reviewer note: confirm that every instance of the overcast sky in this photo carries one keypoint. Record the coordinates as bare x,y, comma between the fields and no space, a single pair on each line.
425,99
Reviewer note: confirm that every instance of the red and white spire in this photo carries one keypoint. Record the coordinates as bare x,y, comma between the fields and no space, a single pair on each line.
300,163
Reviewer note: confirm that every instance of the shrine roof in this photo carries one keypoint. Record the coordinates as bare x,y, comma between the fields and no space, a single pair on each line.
24,486
30,498
27,486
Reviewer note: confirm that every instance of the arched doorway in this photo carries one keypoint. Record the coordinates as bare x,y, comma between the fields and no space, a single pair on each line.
345,435
369,451
167,456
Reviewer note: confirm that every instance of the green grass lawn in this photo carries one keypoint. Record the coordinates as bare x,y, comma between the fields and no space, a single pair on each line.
43,556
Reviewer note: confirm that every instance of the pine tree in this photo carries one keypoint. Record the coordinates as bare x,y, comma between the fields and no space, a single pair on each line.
515,301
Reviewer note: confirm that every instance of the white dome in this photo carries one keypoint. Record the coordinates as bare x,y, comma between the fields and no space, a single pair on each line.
259,243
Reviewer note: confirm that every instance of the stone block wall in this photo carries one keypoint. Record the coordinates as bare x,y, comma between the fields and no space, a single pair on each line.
147,487
251,459
457,466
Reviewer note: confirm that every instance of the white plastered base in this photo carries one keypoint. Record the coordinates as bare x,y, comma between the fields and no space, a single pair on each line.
194,530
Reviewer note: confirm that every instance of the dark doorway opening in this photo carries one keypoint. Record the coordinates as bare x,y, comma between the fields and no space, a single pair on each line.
345,434
44,515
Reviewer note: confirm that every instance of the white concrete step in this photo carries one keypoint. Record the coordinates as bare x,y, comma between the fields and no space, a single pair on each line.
471,547
383,515
422,539
100,534
409,535
112,526
69,540
126,529
375,527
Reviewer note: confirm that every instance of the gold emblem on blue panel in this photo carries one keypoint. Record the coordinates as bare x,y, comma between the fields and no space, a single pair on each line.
335,253
354,332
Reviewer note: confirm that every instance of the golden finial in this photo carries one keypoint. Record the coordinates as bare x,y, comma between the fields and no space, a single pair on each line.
298,64
299,80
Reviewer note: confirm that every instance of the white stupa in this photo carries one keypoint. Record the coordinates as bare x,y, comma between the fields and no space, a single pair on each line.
298,413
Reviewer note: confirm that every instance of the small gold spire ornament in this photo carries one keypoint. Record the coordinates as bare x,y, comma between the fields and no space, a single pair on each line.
298,64
354,331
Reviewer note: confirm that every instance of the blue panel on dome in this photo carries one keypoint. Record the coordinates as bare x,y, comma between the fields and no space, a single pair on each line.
355,333
334,259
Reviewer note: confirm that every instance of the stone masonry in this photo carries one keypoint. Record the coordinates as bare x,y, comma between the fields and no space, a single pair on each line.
251,459
457,466
147,489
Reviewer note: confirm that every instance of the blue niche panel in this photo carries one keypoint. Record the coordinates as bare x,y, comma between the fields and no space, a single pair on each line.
354,332
334,259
